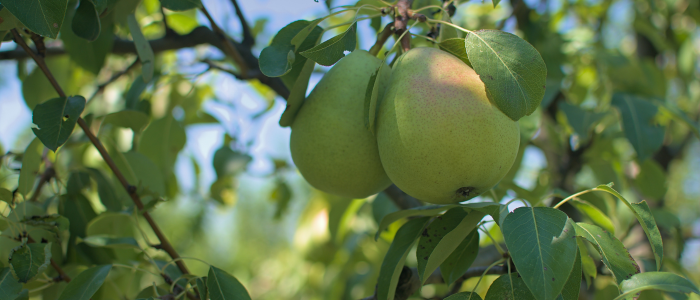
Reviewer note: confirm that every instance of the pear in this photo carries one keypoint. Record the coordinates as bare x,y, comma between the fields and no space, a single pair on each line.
329,143
440,138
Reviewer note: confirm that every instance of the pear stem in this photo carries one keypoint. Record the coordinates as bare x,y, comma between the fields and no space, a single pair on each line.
401,20
381,39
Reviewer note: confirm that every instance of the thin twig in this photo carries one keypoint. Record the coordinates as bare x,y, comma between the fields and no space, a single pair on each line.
381,39
248,38
49,173
102,86
131,190
229,49
401,22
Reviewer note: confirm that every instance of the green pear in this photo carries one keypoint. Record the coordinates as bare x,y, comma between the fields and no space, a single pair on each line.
440,138
330,145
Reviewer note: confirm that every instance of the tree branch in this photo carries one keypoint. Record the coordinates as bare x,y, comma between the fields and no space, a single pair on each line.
228,48
131,190
401,22
248,38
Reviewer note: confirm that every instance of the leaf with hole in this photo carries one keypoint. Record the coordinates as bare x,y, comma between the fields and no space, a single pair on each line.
29,260
512,70
332,50
543,246
56,118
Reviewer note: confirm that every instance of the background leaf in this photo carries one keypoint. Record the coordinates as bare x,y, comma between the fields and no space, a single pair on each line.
31,162
509,286
180,5
464,296
637,121
512,70
86,21
9,286
133,119
663,281
430,210
143,48
614,254
84,286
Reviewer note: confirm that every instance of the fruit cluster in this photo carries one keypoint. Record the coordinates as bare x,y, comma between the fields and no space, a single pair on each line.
438,137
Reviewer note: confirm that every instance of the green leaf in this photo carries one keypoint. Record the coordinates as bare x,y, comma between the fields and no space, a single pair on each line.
143,48
86,21
111,242
587,263
297,94
9,21
332,50
382,206
643,214
496,210
162,141
133,95
84,286
573,284
552,90
37,89
282,195
615,255
678,114
223,286
228,162
541,243
509,286
54,223
638,124
31,161
77,182
43,17
29,260
580,120
662,281
461,258
6,196
9,286
430,210
78,210
495,2
202,287
651,180
105,190
464,296
24,295
115,224
180,5
223,190
433,234
140,171
56,119
594,214
450,33
450,242
275,59
512,70
371,99
395,256
456,47
133,119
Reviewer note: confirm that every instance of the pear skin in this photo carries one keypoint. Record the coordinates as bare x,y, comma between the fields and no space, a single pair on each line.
330,145
440,138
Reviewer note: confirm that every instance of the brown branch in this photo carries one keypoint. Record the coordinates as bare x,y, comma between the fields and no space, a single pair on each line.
401,22
248,38
381,39
131,190
49,173
228,48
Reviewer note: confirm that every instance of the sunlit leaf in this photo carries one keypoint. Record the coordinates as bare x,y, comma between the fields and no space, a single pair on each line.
332,50
143,48
430,210
512,70
594,214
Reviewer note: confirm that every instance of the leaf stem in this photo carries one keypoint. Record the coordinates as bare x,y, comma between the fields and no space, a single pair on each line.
229,49
449,24
574,196
484,274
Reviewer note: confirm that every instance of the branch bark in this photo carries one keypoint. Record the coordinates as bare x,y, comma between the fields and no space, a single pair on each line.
401,22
